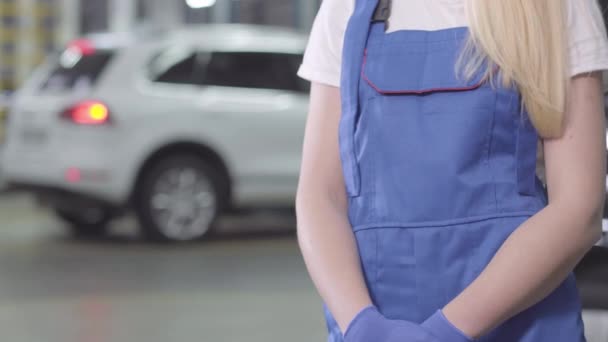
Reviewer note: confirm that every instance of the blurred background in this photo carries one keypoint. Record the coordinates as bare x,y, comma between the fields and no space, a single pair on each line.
149,154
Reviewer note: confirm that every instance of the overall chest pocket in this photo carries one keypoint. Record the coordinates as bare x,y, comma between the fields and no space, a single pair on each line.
425,75
423,132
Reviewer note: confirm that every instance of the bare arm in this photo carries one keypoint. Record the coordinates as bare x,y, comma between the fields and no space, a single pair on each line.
545,249
324,232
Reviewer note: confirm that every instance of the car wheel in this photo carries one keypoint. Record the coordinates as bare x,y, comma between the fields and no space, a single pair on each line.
90,222
178,199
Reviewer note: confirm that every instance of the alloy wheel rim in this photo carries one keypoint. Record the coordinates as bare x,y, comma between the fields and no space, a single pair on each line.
183,203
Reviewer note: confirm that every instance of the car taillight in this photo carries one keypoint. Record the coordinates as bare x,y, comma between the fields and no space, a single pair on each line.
88,113
73,175
84,46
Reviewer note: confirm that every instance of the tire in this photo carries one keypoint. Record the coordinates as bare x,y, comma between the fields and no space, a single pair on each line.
89,223
179,198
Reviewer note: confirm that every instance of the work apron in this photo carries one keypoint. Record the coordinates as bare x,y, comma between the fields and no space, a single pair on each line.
439,171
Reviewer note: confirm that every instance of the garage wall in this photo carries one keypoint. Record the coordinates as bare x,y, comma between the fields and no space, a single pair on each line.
298,14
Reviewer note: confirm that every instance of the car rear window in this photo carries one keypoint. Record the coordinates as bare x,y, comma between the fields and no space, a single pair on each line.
74,69
256,70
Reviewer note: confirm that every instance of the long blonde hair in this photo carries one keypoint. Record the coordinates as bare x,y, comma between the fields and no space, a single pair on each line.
526,40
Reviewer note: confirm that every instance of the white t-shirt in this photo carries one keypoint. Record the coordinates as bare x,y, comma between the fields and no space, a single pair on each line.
323,58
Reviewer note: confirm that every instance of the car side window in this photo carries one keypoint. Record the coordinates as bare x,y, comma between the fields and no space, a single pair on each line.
175,67
258,70
180,73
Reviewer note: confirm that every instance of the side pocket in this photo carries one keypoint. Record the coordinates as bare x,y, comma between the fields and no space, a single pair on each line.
367,244
394,288
350,168
526,153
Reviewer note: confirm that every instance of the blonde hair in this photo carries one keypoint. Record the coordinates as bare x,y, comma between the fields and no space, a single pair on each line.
526,41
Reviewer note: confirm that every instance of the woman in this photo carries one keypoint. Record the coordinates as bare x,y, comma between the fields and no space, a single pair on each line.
420,214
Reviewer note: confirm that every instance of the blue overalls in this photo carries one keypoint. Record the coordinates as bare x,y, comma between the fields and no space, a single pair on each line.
439,171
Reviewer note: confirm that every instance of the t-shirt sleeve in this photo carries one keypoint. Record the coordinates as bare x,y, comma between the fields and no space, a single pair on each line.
588,45
323,57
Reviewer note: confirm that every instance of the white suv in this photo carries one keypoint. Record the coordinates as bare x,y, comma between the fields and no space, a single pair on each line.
179,126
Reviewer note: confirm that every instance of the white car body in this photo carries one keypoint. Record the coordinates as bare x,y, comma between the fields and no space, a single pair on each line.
256,133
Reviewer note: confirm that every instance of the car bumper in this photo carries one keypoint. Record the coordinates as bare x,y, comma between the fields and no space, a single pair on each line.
89,167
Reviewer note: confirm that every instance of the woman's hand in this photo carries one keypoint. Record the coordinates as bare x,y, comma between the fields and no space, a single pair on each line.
371,326
439,326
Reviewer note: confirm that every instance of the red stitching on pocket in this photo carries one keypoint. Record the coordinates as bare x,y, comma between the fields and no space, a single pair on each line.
412,92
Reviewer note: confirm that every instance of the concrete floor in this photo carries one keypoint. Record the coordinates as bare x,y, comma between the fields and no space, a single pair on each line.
248,286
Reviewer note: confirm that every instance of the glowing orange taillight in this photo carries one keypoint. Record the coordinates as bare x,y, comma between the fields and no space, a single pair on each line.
88,113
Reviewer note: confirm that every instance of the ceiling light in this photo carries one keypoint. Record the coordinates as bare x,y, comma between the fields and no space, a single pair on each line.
196,4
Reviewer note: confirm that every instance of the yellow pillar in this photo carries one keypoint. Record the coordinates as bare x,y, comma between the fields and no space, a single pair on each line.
34,36
8,56
27,36
8,43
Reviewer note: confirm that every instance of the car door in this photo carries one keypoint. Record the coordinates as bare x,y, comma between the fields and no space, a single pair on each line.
258,105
